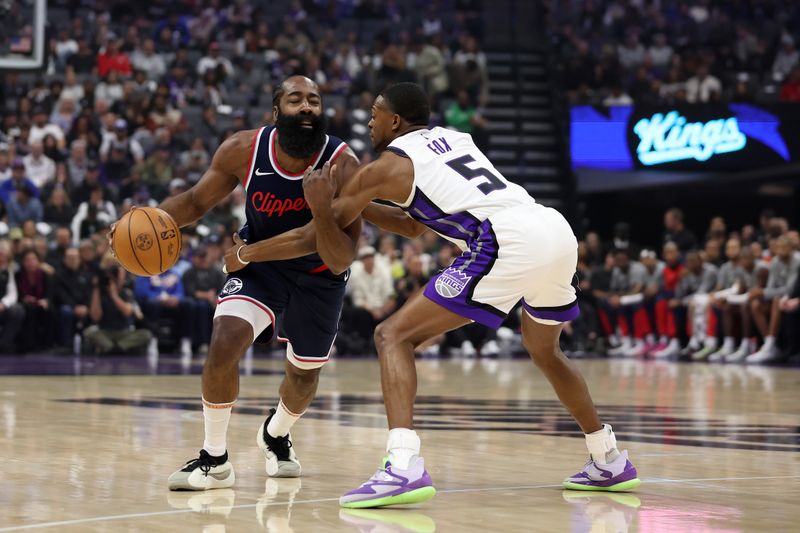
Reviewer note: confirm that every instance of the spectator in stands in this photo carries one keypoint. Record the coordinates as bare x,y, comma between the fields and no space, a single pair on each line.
789,306
42,126
113,310
291,40
120,140
73,296
212,60
73,90
157,170
113,59
55,254
617,97
691,300
765,303
201,285
631,53
667,323
39,168
623,301
162,296
36,291
23,207
8,188
92,215
786,59
727,298
790,91
372,293
64,113
703,87
148,61
84,60
675,231
12,313
110,88
660,52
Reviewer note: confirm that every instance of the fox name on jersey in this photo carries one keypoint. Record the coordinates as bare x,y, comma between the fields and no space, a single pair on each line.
456,187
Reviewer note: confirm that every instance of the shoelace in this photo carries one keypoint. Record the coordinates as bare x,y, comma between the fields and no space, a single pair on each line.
280,446
203,461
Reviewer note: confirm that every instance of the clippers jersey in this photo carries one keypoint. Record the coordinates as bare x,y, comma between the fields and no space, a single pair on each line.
275,200
456,187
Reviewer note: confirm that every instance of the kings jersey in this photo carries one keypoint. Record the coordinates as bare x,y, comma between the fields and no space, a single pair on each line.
275,200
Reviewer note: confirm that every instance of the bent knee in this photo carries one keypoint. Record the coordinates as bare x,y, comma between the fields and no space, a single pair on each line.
542,353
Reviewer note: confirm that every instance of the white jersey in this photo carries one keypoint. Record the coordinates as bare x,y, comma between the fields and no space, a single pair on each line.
456,187
514,248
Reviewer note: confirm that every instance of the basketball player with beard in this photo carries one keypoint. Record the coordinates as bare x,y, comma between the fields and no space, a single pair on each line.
300,299
515,251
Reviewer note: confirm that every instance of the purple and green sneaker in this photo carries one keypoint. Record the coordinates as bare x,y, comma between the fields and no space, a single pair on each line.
392,486
617,476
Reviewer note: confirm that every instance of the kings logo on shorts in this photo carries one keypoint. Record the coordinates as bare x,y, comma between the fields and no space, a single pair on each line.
451,283
232,286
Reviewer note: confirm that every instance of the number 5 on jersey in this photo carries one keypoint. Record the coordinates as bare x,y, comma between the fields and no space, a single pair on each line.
459,164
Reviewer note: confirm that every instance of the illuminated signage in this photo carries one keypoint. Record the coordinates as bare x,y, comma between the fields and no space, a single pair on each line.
707,137
665,138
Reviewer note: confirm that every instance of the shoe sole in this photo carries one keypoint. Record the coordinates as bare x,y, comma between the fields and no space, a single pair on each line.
288,469
211,484
619,487
415,496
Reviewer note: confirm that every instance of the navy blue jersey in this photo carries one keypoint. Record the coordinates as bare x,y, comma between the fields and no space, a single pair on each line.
275,200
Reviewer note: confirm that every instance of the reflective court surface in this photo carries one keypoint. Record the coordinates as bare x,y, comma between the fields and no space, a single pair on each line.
717,448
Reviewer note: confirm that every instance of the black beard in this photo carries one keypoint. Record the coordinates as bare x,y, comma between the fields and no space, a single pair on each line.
299,142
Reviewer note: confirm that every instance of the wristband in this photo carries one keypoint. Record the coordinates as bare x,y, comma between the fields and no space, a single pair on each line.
239,257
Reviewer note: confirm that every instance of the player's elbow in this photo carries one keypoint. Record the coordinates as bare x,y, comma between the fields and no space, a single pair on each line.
339,267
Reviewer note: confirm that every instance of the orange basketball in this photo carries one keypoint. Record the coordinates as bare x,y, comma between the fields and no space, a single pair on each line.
146,241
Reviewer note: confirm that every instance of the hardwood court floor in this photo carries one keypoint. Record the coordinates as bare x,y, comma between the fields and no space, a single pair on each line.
717,448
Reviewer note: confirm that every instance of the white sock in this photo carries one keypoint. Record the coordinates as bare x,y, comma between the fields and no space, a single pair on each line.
650,339
602,445
217,416
769,342
728,344
663,340
403,445
711,343
282,421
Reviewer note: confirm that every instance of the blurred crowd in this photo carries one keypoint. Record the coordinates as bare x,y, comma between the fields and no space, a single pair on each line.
616,52
731,295
133,101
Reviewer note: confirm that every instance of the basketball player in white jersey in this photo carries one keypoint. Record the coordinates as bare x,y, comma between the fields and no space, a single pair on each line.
514,250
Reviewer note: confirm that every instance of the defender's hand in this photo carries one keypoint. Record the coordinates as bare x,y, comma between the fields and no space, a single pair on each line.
319,186
232,255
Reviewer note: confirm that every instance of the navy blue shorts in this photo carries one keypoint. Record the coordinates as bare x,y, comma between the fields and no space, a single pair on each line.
303,308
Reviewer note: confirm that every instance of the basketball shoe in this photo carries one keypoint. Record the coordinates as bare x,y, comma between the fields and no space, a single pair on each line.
278,451
204,473
392,486
618,475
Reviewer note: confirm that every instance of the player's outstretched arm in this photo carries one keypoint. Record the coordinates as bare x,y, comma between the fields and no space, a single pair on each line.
389,178
229,161
393,219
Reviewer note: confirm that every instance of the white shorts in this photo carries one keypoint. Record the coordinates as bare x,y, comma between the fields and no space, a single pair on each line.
528,253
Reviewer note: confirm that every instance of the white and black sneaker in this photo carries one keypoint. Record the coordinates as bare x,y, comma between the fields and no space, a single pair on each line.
204,473
281,459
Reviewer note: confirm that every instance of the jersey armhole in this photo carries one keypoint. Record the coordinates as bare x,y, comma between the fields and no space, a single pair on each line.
252,160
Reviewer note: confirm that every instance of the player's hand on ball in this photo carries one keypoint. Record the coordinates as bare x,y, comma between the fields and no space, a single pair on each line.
110,237
319,186
232,256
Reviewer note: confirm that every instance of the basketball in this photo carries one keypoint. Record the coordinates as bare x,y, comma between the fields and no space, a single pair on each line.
146,241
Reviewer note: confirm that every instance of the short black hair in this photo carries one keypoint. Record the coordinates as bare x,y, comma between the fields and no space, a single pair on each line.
410,102
277,92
